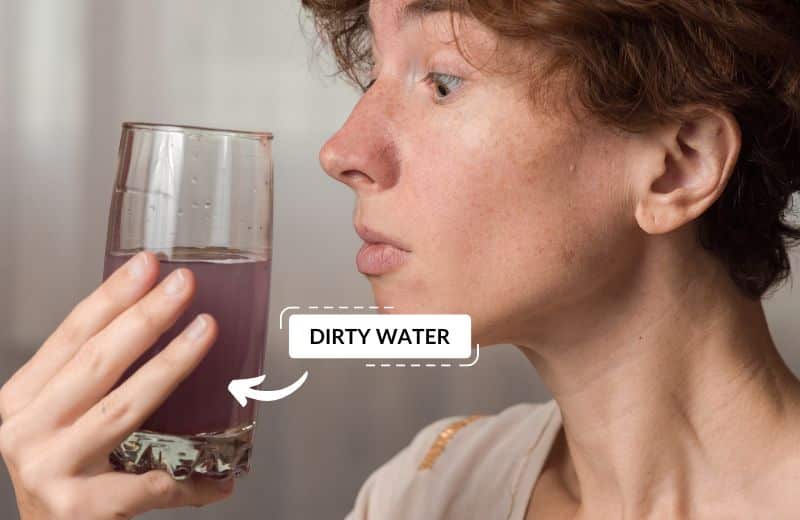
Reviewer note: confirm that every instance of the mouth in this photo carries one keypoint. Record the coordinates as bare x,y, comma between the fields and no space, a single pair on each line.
380,253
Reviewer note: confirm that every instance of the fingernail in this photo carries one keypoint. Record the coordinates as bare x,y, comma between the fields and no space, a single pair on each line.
137,266
196,328
175,282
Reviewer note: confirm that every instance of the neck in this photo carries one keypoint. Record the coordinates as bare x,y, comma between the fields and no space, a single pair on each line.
680,394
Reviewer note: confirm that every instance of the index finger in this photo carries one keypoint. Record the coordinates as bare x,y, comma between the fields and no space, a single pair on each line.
122,289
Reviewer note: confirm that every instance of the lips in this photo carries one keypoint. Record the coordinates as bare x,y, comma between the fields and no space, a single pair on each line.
380,253
372,236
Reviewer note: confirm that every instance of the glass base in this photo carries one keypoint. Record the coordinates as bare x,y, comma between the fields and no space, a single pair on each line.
213,455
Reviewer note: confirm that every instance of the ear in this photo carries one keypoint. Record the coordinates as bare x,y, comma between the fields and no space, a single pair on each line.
694,160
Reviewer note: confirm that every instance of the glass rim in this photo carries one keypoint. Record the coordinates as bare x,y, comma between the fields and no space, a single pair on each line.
137,125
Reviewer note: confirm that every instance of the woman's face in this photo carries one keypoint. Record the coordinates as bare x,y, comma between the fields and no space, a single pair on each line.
510,211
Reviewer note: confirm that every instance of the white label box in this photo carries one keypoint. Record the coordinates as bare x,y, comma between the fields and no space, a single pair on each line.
380,336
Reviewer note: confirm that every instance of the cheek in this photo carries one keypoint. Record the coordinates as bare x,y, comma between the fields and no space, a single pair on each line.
507,214
461,184
511,225
501,200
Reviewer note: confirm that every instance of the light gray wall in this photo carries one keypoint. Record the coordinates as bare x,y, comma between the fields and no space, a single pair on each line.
70,73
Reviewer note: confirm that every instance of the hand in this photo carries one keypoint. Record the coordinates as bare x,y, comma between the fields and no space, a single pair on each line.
60,422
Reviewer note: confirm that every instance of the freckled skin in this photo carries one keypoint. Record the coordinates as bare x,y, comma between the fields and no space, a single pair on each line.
577,243
509,207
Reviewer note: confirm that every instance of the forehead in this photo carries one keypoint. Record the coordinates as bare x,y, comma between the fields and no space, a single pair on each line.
393,15
386,13
446,20
388,19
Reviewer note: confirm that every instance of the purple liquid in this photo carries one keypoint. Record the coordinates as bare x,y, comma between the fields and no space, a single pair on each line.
236,294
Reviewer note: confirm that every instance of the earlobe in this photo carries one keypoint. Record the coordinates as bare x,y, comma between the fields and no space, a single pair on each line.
698,156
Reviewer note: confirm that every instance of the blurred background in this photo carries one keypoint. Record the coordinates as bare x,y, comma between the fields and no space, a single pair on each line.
70,73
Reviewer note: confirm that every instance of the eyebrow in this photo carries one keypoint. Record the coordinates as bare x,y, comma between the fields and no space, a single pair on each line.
417,9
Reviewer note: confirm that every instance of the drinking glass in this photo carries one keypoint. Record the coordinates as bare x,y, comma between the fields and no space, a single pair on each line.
199,198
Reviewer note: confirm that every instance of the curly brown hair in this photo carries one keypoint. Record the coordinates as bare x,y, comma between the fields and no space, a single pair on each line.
634,63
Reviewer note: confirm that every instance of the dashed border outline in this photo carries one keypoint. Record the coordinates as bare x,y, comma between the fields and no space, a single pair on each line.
375,307
330,308
429,365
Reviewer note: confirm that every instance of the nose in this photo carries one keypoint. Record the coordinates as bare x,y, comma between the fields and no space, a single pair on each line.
363,154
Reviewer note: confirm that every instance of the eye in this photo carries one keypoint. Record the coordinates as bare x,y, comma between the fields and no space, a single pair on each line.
443,84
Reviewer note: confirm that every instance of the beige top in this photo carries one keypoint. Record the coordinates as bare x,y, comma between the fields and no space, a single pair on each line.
464,467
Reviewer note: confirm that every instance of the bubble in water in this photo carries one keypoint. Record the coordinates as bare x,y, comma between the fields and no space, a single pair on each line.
249,227
194,180
207,205
195,204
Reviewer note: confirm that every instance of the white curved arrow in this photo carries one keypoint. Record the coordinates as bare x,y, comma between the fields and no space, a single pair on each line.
241,389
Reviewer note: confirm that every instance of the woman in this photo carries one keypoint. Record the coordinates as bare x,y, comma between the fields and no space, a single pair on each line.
601,184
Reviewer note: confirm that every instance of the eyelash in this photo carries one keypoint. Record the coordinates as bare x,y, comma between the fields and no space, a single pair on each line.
368,85
437,80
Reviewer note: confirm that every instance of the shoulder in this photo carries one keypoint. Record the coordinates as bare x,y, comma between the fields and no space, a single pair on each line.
454,455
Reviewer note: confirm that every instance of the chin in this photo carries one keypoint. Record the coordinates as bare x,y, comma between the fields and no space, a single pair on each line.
407,300
400,301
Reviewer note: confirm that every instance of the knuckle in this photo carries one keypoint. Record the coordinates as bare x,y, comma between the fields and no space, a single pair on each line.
168,361
10,438
104,296
114,409
160,365
64,502
29,477
162,486
73,328
143,317
4,400
5,440
91,357
69,332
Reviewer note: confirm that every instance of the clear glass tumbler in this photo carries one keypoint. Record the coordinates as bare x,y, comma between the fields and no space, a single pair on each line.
199,198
